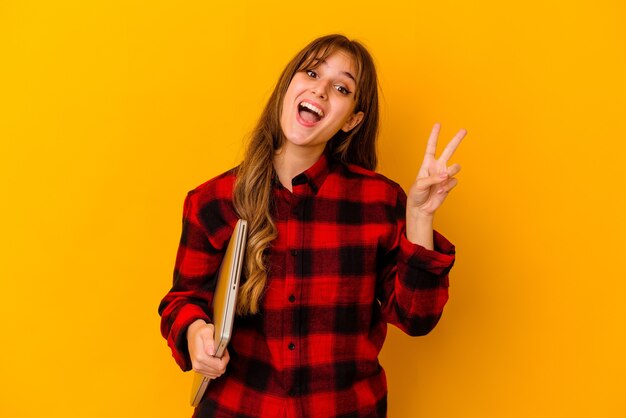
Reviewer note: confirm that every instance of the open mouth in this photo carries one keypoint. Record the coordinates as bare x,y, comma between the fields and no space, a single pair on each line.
310,113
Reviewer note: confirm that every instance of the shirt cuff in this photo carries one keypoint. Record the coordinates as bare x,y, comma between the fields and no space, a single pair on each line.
438,261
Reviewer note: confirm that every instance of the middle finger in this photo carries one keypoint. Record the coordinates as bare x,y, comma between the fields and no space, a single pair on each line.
452,146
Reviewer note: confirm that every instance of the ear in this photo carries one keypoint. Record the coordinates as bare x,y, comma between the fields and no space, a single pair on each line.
352,121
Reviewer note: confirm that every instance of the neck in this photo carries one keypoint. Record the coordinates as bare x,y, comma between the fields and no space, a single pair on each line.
289,162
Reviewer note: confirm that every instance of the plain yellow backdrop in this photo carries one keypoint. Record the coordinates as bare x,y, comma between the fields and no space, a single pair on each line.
111,111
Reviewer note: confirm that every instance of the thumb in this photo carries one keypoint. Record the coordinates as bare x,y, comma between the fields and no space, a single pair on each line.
209,340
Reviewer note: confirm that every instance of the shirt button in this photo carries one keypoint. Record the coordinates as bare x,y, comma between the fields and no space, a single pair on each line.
291,346
292,298
294,252
292,392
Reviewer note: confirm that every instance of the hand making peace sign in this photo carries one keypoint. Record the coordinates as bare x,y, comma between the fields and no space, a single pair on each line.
434,179
431,187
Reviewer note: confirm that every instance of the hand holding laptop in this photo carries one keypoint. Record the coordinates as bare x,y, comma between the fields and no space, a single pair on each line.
200,338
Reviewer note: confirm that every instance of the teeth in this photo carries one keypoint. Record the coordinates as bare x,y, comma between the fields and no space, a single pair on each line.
313,108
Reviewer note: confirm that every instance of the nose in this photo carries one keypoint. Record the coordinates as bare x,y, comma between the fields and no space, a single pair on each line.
320,89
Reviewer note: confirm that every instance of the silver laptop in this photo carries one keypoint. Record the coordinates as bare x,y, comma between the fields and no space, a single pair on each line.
224,301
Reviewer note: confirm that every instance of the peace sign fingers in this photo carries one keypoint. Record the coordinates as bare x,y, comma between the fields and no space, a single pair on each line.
435,178
431,164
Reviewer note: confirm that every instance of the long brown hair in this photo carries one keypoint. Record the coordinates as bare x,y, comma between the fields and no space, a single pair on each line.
252,195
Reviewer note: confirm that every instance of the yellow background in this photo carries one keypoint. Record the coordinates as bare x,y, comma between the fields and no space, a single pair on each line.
110,111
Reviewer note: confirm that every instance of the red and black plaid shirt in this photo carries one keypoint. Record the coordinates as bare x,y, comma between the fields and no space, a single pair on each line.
340,270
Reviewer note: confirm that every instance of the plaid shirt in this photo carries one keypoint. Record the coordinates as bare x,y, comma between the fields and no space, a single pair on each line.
340,270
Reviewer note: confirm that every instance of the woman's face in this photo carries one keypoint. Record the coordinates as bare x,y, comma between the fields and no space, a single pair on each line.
319,102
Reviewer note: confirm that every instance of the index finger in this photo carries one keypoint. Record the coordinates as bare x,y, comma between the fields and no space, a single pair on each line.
431,146
452,146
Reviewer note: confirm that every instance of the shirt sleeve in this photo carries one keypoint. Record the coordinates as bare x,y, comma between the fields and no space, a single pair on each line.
414,280
191,294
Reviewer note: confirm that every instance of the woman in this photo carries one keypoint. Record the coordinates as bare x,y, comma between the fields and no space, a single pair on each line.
335,251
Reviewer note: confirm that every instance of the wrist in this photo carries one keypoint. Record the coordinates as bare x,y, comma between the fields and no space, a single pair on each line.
419,217
195,325
419,228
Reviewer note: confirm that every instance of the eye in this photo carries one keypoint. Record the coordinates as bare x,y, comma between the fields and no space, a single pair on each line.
341,89
311,73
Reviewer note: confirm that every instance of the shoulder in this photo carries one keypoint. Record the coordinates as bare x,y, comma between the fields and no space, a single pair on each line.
219,187
369,175
358,177
211,203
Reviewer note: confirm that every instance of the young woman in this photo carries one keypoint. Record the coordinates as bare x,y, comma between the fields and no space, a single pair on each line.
335,251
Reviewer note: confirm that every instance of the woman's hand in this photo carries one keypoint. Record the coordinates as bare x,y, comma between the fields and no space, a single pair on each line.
434,181
202,349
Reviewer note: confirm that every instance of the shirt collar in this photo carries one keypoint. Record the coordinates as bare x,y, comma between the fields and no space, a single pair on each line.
314,175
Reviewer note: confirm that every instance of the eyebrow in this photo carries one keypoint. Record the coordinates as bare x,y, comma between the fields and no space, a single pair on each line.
346,73
349,75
